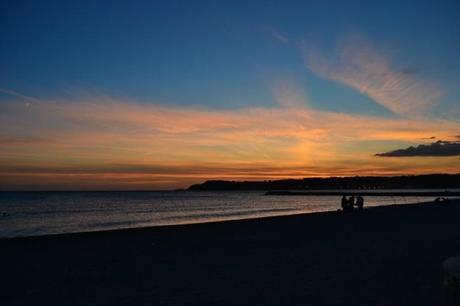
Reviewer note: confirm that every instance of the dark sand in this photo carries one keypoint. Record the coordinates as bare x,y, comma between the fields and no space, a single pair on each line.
384,256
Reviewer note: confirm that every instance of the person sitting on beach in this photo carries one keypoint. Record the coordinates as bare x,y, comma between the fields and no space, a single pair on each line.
351,203
360,203
344,203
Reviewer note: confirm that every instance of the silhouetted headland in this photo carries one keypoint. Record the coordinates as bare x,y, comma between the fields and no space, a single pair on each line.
430,181
369,193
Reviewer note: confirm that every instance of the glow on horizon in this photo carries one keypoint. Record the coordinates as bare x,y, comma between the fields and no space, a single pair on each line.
103,143
244,92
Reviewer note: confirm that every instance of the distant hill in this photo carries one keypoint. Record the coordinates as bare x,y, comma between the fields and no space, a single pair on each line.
430,181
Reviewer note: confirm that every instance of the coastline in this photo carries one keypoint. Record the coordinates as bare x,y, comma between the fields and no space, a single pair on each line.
388,255
181,225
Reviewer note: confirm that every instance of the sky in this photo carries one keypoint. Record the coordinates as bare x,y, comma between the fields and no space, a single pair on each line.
163,94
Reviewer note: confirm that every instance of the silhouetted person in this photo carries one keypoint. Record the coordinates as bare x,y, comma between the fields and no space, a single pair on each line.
360,203
351,203
344,203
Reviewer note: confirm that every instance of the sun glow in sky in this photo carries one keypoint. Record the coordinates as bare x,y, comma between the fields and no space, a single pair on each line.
143,95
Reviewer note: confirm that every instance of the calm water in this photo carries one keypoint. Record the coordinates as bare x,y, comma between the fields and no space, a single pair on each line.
40,213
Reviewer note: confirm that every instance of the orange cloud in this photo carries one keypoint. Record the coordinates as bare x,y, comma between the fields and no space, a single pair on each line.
112,142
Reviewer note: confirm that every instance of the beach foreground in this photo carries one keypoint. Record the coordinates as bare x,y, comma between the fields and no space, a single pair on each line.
384,256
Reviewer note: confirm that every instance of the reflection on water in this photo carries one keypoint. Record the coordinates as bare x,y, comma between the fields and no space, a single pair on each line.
39,213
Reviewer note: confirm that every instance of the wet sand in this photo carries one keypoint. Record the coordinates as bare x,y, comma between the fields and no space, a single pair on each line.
384,256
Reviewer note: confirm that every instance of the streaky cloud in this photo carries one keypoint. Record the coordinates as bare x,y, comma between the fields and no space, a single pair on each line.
8,140
114,142
18,95
276,34
290,95
361,66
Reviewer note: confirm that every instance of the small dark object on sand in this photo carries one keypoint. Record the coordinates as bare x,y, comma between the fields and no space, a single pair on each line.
441,200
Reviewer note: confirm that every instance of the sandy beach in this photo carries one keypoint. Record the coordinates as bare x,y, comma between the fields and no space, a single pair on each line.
384,256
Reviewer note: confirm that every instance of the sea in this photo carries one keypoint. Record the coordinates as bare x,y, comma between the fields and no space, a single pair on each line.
47,213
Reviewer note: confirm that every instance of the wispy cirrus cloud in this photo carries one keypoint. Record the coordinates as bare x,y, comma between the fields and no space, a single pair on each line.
289,94
361,66
276,34
252,132
8,140
18,95
112,142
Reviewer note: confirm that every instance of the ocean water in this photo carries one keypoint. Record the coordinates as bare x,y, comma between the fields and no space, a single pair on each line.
44,213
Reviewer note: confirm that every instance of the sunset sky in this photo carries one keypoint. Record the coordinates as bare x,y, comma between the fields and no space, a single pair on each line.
163,94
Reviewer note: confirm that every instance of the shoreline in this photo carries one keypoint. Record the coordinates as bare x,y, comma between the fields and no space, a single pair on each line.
387,255
182,225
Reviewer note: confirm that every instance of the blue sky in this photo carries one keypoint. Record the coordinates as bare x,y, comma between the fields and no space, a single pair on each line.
162,94
216,54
